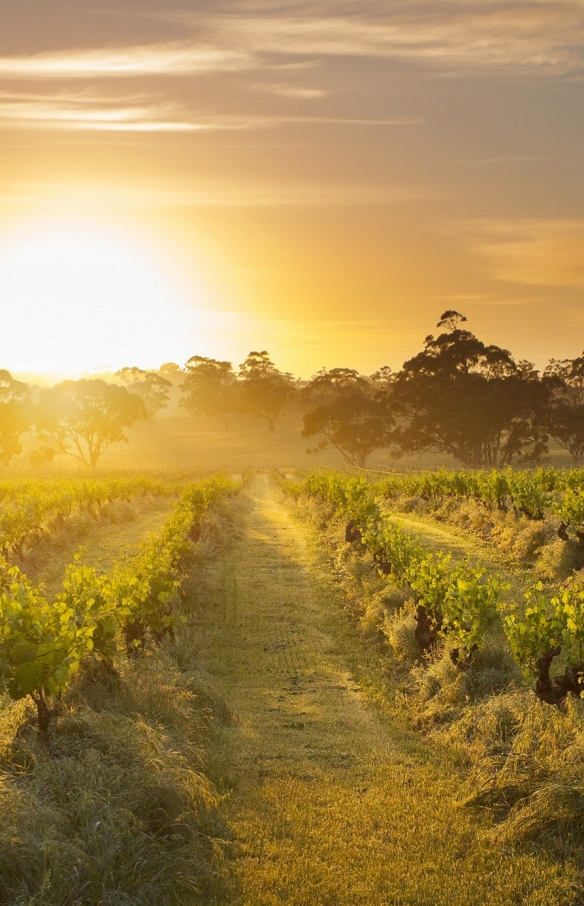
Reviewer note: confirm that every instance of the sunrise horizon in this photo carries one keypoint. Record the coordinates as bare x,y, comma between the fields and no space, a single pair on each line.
321,183
292,453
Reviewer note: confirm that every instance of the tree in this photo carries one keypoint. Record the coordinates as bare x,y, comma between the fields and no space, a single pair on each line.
451,319
15,415
170,370
151,387
265,390
471,400
354,423
348,413
327,386
383,378
83,418
566,416
210,388
569,375
566,426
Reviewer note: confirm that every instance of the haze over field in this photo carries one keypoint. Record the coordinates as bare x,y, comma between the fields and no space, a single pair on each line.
317,179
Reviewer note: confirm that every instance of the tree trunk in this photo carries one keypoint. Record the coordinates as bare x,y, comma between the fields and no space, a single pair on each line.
44,715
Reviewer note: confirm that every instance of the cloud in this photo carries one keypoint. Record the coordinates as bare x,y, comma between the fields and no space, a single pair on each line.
530,35
175,59
483,299
85,112
292,91
209,194
138,113
533,34
532,252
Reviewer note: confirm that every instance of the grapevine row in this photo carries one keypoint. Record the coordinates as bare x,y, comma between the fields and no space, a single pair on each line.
531,494
42,643
30,508
460,602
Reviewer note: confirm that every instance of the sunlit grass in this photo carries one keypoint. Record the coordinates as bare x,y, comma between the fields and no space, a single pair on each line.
121,808
334,802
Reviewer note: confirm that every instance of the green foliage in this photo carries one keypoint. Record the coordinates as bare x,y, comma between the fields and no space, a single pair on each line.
431,578
570,508
470,607
83,418
89,597
460,600
544,626
42,643
391,545
349,495
535,627
30,508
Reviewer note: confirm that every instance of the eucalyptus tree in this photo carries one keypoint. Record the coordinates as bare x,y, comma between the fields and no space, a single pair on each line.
472,400
348,412
152,388
265,389
83,418
210,388
15,415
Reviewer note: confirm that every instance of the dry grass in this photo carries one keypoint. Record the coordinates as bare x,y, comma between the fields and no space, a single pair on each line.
120,529
123,808
523,760
515,541
334,802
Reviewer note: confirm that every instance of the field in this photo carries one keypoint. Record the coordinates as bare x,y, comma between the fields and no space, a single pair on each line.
172,443
290,687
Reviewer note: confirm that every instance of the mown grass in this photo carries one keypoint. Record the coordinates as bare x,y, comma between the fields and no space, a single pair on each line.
119,529
520,759
123,806
514,542
334,801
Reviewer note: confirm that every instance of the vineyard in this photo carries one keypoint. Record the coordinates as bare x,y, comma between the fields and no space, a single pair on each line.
399,657
486,653
459,603
98,633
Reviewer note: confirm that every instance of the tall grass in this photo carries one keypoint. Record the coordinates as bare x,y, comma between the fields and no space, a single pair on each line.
122,809
524,759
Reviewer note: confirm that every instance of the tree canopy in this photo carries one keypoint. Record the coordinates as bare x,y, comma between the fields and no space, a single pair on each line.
83,418
348,412
265,390
152,388
210,388
471,400
15,415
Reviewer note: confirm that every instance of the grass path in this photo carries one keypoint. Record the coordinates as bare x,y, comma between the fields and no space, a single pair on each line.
334,804
103,541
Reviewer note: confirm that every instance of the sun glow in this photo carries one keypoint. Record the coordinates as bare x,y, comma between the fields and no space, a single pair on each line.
77,298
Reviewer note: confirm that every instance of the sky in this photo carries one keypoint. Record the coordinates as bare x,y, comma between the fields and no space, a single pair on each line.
318,179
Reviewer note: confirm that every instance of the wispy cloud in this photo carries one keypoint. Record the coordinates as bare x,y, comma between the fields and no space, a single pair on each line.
138,114
536,35
225,193
173,59
533,34
532,252
87,112
292,91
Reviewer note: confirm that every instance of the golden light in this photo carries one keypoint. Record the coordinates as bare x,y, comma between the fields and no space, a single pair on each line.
77,298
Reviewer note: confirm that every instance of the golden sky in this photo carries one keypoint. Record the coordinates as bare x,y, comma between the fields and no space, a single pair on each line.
319,179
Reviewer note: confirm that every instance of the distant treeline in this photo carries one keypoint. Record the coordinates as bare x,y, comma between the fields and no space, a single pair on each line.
457,396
